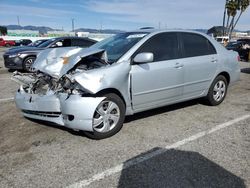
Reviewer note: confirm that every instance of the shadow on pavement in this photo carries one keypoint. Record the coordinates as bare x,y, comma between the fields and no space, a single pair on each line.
161,110
176,168
246,70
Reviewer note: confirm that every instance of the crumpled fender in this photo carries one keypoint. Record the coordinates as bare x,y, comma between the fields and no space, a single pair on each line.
115,76
58,61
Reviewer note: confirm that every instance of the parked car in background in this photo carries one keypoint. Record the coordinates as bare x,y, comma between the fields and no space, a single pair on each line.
23,58
93,89
6,43
23,42
240,46
245,40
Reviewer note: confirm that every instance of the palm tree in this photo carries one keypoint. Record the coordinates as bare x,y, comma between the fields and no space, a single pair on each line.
232,7
243,6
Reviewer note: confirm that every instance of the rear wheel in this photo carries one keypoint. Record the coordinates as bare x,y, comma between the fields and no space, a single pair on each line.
7,45
28,62
217,91
108,117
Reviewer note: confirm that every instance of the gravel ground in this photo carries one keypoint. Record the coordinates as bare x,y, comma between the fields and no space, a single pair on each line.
35,154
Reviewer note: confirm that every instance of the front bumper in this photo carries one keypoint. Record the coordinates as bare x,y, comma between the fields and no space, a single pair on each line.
13,63
72,111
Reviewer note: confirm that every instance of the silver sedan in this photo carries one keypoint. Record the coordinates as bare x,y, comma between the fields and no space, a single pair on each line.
94,89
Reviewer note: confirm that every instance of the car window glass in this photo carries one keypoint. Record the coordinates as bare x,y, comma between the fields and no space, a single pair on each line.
196,45
81,43
164,46
47,43
66,42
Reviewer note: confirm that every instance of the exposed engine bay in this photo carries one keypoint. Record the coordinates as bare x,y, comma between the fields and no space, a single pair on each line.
41,83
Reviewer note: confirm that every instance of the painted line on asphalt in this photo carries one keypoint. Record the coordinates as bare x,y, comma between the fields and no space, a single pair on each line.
7,99
120,167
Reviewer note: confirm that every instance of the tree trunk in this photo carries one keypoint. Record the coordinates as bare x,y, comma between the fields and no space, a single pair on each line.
224,18
231,28
227,29
237,19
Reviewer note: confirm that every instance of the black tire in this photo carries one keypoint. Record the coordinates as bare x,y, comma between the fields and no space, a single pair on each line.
7,45
28,62
111,97
211,96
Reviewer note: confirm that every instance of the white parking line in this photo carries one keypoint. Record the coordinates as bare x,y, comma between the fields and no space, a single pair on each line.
120,167
7,99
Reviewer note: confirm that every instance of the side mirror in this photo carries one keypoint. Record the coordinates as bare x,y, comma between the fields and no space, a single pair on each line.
145,57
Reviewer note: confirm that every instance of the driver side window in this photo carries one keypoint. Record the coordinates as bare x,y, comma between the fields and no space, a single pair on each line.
164,46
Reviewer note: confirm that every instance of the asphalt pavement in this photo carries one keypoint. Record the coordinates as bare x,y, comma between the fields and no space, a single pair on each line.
183,145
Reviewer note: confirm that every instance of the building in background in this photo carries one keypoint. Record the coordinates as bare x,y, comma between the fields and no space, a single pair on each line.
59,34
23,33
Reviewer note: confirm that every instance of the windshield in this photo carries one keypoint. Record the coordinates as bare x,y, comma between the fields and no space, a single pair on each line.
37,43
46,44
119,44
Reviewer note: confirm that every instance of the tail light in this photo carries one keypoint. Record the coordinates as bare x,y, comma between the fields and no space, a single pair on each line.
238,58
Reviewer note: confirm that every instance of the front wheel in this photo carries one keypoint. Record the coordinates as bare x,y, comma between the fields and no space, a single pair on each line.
28,62
108,117
217,91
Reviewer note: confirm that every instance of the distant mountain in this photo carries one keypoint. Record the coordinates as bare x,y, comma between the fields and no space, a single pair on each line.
41,29
105,31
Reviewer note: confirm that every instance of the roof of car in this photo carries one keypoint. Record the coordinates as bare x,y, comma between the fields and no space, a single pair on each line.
85,38
152,30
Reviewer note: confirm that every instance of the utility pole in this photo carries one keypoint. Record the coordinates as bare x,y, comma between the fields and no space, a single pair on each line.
101,27
18,21
73,24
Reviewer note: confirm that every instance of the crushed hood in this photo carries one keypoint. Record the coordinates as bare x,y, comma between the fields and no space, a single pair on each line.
58,61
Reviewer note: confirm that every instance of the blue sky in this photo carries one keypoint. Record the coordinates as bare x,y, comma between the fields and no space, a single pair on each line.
117,14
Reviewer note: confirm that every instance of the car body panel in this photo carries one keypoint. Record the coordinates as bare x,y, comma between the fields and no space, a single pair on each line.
57,108
57,61
167,84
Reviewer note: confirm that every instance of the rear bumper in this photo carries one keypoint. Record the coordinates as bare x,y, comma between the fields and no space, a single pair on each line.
74,112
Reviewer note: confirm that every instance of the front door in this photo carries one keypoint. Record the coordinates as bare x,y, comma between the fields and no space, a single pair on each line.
159,82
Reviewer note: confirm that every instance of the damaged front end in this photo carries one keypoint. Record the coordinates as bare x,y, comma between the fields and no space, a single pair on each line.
51,92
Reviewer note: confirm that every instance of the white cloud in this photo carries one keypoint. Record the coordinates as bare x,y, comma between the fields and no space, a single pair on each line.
33,11
173,13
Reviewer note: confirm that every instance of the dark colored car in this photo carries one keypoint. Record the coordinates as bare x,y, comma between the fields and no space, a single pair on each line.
23,58
23,42
246,40
238,46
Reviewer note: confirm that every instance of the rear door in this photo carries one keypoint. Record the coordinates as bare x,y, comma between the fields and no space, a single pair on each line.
200,61
159,82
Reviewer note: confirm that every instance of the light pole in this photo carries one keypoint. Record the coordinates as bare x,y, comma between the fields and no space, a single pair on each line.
18,21
73,24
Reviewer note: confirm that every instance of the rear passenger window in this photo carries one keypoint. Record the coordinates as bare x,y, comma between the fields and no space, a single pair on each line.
164,46
81,43
196,45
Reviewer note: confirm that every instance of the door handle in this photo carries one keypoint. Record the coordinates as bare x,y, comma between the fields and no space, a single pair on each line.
214,60
178,65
